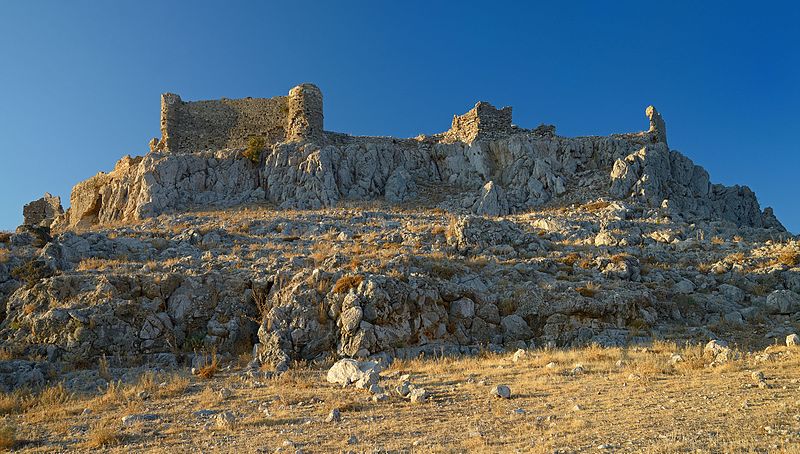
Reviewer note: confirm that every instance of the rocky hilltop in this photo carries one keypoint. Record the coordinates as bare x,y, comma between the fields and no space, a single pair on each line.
248,227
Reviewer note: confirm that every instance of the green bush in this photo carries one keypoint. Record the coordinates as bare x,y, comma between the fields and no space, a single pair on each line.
254,148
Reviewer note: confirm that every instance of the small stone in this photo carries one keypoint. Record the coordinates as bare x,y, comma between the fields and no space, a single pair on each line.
578,369
376,389
129,420
519,354
757,375
418,395
792,340
226,420
501,391
352,440
143,395
86,411
577,407
334,416
550,365
675,359
225,393
404,388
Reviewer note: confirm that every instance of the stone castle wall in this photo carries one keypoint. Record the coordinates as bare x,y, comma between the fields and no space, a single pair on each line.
229,123
482,122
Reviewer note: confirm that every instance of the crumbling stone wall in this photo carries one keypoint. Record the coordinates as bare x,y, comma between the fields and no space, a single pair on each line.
194,126
483,121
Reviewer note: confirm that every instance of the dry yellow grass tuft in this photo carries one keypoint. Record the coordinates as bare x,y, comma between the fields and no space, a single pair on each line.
788,256
596,206
103,436
5,255
95,264
211,367
347,282
589,290
8,436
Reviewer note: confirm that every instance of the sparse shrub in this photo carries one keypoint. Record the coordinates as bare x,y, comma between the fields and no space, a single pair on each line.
597,205
32,272
5,237
210,369
53,397
103,369
507,306
444,270
619,258
737,257
8,436
102,436
345,283
571,258
588,290
789,257
12,403
255,145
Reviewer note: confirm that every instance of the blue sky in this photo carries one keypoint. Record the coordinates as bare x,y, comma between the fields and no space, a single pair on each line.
80,81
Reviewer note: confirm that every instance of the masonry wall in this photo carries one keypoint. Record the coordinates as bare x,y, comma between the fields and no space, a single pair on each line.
481,122
225,123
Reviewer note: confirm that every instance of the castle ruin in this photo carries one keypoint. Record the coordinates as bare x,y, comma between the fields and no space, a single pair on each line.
193,126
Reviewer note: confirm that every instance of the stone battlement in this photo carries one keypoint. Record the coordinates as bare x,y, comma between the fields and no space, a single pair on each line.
193,126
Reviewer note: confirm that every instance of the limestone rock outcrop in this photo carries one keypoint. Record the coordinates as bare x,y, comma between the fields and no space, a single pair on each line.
42,212
498,168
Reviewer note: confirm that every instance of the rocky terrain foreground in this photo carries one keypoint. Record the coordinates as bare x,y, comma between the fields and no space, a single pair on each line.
487,288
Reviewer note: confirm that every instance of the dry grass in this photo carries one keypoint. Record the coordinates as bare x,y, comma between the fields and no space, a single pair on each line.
589,290
631,398
5,255
736,257
8,435
347,282
788,256
103,436
96,264
596,206
211,367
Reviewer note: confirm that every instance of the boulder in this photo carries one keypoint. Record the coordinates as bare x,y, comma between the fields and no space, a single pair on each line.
501,391
784,302
515,328
362,374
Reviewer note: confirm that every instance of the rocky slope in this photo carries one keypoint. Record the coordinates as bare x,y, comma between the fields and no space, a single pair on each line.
381,247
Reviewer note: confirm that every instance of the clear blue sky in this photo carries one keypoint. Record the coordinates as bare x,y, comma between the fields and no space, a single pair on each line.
80,81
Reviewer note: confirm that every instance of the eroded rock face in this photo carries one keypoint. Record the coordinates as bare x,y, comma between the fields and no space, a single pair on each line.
657,176
42,212
161,182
